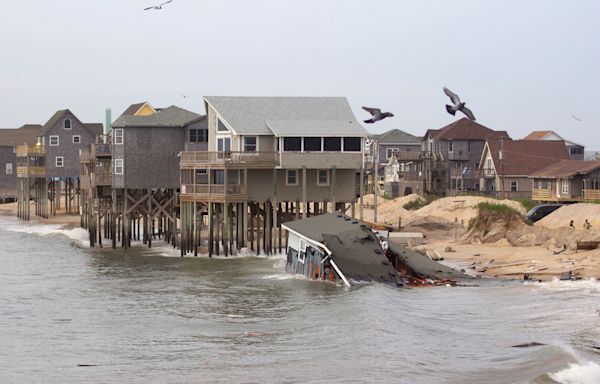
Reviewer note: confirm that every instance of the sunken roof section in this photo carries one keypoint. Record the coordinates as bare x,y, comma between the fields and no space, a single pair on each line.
537,135
27,134
567,168
330,223
396,136
287,116
168,117
524,157
465,129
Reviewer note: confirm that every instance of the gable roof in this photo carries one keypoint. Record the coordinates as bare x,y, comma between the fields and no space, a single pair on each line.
27,134
93,129
168,117
396,136
465,129
133,108
567,168
538,135
287,116
524,157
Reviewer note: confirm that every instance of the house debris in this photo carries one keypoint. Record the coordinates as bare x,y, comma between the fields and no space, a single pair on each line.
338,248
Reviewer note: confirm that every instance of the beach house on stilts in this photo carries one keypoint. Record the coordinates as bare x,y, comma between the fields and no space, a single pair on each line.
269,160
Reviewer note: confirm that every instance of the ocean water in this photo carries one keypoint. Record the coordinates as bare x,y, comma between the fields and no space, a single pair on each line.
71,314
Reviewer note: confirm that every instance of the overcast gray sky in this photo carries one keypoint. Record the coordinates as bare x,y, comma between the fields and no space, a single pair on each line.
519,65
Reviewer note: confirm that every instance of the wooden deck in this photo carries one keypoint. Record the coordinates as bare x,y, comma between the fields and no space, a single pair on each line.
190,160
31,171
214,193
549,195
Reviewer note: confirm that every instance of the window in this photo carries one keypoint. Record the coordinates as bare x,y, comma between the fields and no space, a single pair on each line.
564,187
201,176
312,144
291,177
302,251
514,185
332,144
322,177
60,161
9,168
223,144
218,176
118,136
468,146
54,141
119,167
391,151
76,139
352,144
250,144
292,144
450,146
67,123
199,135
221,126
576,150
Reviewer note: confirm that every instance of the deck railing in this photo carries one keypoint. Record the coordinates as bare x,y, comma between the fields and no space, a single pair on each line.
101,149
591,194
229,157
541,194
30,150
31,170
213,189
101,178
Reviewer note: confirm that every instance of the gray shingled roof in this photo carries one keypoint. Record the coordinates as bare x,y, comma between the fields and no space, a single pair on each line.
93,128
27,134
169,117
133,108
287,116
396,136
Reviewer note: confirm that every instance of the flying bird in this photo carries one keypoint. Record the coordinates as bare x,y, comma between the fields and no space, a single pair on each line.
158,6
576,118
377,114
457,105
185,96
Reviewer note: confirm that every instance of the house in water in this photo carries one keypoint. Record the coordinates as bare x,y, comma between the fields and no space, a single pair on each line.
576,151
50,169
506,165
269,160
133,179
337,248
10,139
567,180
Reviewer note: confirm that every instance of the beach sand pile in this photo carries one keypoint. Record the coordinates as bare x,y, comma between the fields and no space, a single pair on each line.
577,212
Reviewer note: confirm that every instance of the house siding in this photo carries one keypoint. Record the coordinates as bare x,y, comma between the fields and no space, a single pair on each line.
8,156
66,148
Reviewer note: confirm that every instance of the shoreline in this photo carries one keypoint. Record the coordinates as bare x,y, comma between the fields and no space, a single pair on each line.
497,260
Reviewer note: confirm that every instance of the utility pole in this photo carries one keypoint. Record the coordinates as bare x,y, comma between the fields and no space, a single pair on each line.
375,181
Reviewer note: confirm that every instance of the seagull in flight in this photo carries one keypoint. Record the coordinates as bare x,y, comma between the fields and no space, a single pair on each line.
457,105
158,7
377,114
576,118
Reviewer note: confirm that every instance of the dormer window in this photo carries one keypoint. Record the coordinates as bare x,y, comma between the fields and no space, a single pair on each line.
67,123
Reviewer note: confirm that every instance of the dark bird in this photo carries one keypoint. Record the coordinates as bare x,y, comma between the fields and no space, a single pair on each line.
458,105
158,6
185,96
377,114
576,118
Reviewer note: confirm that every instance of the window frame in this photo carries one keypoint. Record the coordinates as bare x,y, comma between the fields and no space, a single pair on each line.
288,140
319,177
341,145
117,166
244,144
8,169
287,178
450,146
57,137
65,123
304,144
564,187
62,161
119,134
78,139
390,151
345,144
201,135
516,185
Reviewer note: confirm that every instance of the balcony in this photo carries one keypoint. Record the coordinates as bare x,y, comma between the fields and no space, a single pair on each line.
487,173
101,150
30,150
233,159
31,171
101,178
214,192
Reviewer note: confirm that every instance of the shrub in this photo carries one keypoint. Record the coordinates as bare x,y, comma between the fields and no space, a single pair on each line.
419,203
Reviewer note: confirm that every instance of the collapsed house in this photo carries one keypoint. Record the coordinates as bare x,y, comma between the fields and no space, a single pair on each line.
337,248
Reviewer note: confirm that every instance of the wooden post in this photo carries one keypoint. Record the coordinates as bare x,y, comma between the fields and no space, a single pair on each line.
361,192
274,206
211,222
333,177
304,206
